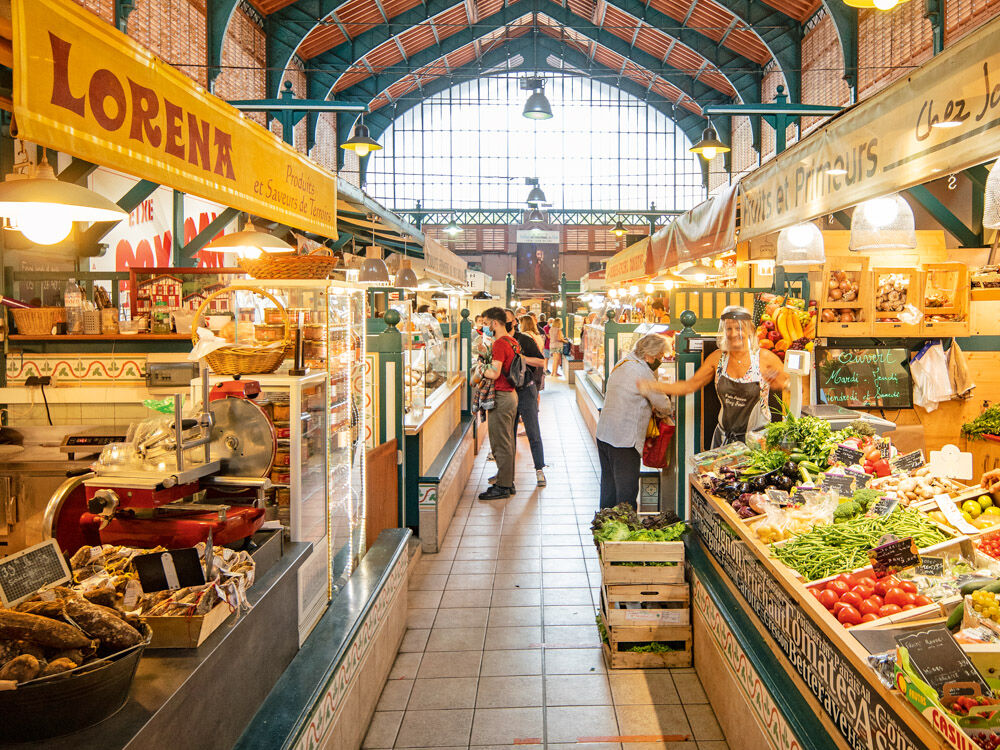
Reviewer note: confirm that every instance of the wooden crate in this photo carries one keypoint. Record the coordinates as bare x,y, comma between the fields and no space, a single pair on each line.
885,322
857,270
186,632
619,638
671,604
623,553
950,281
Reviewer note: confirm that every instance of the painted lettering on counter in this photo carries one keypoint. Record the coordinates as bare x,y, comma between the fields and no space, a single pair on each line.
109,106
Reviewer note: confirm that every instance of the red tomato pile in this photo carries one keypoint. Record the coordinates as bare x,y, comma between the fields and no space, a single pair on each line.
990,546
864,599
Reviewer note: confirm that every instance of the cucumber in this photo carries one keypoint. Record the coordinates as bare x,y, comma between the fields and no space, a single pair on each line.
804,474
977,583
810,467
798,457
955,618
993,588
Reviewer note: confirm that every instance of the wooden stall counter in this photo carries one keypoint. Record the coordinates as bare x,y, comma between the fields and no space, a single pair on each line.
763,642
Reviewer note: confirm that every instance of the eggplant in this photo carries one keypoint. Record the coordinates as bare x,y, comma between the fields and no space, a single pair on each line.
784,482
759,484
790,469
743,488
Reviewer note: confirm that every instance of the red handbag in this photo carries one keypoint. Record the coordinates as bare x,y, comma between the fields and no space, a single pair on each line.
655,451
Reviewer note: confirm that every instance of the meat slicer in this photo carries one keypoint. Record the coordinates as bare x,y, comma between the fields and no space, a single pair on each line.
174,484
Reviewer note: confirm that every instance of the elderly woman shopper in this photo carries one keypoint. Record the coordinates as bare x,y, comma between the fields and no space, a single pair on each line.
621,429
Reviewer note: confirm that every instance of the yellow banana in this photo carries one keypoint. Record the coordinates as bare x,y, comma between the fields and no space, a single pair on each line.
783,325
795,327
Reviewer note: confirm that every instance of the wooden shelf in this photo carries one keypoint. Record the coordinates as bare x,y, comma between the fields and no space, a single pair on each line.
102,337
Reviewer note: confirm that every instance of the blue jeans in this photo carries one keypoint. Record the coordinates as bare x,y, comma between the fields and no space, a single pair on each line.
527,411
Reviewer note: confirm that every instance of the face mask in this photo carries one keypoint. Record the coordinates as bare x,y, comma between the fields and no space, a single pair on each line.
655,364
509,326
487,332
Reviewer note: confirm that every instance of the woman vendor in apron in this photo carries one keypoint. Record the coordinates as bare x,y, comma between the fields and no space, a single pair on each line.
744,375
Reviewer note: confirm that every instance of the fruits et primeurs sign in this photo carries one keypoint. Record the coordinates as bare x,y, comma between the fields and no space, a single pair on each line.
84,88
633,262
888,143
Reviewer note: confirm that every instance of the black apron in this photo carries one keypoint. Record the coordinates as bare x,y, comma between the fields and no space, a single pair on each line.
740,402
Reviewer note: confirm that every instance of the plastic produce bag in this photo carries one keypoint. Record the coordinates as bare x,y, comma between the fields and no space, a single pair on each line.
931,382
207,343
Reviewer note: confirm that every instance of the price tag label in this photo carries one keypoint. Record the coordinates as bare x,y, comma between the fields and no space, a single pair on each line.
838,483
907,461
953,514
940,660
778,497
884,448
25,572
885,505
931,566
892,557
847,455
861,479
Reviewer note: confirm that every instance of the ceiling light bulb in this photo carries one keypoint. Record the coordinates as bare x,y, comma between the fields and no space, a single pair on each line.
668,285
700,278
800,235
717,263
633,289
709,153
44,230
649,288
885,4
881,212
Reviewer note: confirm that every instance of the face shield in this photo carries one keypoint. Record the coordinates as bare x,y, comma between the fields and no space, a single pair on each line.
736,331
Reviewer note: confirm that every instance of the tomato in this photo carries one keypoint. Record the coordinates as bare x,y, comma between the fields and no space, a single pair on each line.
889,609
908,586
838,587
869,617
908,607
815,592
896,595
863,590
837,607
881,586
846,578
848,615
852,598
922,601
872,605
827,598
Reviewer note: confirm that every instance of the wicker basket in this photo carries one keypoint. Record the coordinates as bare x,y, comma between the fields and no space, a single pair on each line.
290,265
38,321
244,359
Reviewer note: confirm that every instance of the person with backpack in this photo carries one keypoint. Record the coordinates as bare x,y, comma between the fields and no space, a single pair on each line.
507,371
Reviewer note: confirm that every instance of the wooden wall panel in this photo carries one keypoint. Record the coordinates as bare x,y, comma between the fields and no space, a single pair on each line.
382,487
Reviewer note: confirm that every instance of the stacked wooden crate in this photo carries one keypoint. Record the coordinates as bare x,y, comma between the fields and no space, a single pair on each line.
642,604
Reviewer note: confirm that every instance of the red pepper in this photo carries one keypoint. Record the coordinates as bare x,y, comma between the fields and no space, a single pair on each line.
881,468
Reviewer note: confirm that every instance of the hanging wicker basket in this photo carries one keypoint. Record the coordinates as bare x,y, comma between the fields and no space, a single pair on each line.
245,359
318,264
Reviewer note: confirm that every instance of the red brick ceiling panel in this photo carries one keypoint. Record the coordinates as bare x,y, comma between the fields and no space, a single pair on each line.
685,59
691,106
622,25
451,21
667,89
461,57
323,37
353,75
416,38
270,6
400,87
583,8
609,59
745,42
800,10
358,16
653,41
486,8
384,56
394,7
717,81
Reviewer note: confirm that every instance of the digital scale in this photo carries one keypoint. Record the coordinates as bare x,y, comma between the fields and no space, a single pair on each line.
89,443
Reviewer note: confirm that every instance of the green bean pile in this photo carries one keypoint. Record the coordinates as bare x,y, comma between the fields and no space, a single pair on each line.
839,548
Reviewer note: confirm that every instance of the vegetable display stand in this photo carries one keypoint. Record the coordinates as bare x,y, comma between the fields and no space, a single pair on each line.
894,289
646,605
845,297
945,299
625,562
647,646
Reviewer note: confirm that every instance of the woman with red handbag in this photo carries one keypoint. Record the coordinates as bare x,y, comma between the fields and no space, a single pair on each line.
624,420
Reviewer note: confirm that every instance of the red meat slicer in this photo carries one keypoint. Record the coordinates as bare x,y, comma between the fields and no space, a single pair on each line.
174,485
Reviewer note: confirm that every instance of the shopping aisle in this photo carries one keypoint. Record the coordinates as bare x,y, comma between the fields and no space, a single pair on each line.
502,649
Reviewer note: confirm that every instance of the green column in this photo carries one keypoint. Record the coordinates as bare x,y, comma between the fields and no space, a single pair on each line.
688,408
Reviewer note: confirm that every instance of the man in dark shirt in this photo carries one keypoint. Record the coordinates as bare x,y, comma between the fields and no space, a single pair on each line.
527,395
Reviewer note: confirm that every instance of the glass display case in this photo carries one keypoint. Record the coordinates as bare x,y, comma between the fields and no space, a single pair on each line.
593,353
430,358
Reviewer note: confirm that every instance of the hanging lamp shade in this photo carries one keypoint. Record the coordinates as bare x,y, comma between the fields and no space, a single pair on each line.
697,270
452,228
482,295
800,245
884,223
405,277
709,146
618,230
249,243
991,200
374,271
537,107
535,216
361,142
877,4
669,276
536,196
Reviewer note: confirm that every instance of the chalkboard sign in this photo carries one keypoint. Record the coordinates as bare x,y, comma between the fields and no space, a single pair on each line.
865,378
893,557
24,573
778,497
940,660
861,479
884,506
847,455
931,566
841,483
907,461
173,569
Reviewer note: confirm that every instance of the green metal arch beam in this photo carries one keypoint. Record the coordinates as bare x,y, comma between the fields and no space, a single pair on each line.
217,16
377,121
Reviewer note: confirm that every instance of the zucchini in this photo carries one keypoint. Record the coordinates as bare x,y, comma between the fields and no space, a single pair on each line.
804,474
811,467
993,588
955,618
975,584
798,457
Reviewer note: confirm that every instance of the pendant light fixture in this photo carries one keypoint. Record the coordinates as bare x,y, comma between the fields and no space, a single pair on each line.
876,4
618,230
373,268
43,208
800,245
535,196
249,243
482,295
535,216
991,198
709,146
361,142
884,223
452,228
405,277
537,107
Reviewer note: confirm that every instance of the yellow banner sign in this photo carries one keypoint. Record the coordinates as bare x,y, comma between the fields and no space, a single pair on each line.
84,88
891,142
631,263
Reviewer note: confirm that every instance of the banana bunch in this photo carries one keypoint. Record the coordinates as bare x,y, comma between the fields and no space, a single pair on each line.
786,320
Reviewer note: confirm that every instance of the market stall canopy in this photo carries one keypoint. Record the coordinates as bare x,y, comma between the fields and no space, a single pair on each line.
634,262
442,263
890,142
707,229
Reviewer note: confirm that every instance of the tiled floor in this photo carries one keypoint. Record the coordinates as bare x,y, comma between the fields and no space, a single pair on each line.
502,649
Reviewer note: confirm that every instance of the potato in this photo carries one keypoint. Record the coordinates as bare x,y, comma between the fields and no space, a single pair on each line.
25,667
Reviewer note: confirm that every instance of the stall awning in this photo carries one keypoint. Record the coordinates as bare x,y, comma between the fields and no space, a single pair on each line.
707,229
634,262
442,263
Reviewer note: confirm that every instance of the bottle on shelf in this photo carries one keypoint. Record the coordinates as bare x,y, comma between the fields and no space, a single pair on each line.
73,301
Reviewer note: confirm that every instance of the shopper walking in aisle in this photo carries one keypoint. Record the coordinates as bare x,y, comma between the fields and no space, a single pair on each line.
527,395
556,341
546,331
503,416
621,428
527,325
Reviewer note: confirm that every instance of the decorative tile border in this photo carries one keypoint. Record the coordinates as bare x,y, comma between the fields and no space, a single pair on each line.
777,731
78,370
371,401
327,710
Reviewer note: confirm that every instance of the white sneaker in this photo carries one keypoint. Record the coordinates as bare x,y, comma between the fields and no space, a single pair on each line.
490,457
540,477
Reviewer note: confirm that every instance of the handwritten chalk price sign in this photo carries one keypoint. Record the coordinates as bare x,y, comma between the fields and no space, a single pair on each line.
24,573
892,557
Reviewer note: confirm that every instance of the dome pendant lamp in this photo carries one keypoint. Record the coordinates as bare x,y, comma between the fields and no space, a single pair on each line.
619,229
884,223
876,4
361,142
709,146
535,216
452,228
537,107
